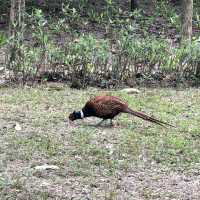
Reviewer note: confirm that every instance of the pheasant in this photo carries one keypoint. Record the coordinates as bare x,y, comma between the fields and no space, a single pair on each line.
107,107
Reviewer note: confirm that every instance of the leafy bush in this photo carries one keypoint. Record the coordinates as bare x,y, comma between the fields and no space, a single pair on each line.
141,54
3,39
88,58
87,55
190,59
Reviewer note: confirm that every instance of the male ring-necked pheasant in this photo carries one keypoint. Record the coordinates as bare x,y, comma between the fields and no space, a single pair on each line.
107,107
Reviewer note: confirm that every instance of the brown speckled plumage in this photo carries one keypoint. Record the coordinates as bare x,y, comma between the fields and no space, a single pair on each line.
107,107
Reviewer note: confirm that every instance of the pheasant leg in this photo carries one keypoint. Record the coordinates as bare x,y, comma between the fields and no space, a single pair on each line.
111,122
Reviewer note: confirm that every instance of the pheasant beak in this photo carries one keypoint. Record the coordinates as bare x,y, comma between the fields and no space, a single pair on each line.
70,122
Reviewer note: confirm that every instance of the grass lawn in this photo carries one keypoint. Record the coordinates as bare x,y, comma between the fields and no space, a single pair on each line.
133,160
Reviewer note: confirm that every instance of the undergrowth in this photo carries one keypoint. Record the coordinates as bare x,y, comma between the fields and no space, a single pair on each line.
124,51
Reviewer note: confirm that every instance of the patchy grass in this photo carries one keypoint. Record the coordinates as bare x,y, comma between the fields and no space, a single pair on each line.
133,160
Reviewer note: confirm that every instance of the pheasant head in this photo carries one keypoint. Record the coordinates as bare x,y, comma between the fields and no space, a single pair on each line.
76,115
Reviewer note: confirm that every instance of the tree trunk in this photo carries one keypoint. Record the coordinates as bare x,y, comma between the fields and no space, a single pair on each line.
150,6
134,4
187,12
16,33
17,10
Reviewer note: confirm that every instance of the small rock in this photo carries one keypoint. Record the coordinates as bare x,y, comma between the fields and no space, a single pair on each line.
131,90
130,82
18,127
45,167
3,83
45,183
55,86
76,84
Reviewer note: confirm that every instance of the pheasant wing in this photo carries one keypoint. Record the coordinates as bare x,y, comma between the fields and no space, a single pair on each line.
107,107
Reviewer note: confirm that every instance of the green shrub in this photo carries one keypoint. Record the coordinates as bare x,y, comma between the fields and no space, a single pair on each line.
86,54
3,39
143,54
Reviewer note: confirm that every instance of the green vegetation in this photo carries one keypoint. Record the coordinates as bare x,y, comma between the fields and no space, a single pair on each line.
104,40
102,44
83,151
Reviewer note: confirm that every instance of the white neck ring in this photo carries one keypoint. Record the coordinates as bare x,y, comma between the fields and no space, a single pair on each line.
82,115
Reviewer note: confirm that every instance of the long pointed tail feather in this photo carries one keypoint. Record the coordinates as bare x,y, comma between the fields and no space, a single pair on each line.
147,118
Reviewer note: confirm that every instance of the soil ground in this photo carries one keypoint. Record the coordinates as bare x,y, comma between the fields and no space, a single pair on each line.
132,160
